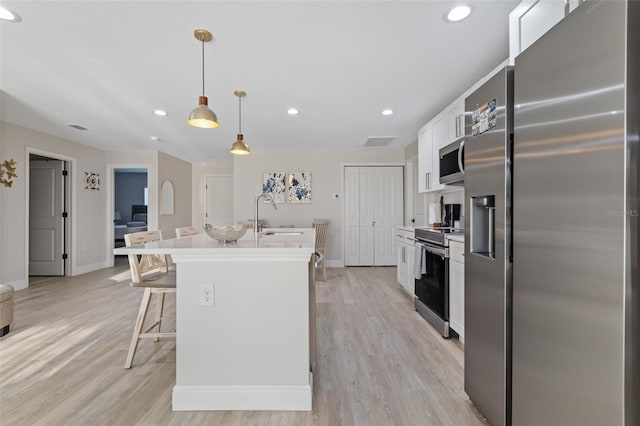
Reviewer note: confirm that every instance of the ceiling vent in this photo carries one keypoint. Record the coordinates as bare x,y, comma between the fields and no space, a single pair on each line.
380,141
78,127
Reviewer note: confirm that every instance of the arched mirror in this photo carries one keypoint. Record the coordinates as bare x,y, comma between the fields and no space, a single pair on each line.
166,198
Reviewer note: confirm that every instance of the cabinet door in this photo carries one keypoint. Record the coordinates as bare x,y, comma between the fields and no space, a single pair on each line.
456,297
438,141
455,121
402,263
411,281
425,158
531,19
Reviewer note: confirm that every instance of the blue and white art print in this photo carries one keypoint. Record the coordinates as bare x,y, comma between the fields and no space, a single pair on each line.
299,187
273,183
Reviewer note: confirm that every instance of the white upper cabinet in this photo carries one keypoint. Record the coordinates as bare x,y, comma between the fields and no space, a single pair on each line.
425,158
430,139
455,120
531,19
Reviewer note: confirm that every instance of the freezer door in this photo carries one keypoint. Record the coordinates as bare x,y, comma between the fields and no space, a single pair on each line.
569,214
488,113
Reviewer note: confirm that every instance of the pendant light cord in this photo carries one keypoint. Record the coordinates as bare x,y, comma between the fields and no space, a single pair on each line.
239,114
203,67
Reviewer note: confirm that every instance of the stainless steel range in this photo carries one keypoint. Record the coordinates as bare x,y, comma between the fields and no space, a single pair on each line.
432,277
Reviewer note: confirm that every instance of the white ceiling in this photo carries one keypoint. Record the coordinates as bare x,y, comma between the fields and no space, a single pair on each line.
106,65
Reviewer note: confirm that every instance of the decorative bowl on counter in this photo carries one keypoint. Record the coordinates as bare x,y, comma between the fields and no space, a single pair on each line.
225,234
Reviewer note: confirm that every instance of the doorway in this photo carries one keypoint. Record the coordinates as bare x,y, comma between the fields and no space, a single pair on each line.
48,209
219,200
130,201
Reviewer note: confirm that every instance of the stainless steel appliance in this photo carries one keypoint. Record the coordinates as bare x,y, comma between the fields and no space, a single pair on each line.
552,290
452,163
451,215
487,313
432,279
576,306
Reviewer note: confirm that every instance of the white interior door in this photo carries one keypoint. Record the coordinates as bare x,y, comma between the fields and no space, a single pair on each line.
351,216
46,224
374,206
388,214
219,204
367,194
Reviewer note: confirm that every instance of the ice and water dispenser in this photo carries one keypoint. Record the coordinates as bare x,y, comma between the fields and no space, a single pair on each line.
482,221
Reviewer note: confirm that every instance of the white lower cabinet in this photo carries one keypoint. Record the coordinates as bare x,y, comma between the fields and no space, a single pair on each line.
406,261
456,288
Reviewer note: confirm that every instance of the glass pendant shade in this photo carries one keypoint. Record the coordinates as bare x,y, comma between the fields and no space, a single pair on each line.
239,147
202,116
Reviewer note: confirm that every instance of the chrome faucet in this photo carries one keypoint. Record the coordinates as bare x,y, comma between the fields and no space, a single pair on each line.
256,225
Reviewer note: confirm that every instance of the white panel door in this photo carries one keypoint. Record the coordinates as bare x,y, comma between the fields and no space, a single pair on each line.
388,195
367,193
351,216
374,201
219,200
46,224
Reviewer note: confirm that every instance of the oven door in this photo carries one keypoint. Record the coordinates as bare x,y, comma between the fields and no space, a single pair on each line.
432,289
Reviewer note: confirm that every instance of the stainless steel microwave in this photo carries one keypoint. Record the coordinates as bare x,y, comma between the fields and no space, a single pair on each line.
452,163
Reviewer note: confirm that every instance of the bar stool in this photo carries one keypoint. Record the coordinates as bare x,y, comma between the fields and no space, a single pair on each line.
186,231
321,226
151,272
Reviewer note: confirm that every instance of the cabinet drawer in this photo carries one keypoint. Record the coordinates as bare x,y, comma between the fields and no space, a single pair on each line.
456,251
404,234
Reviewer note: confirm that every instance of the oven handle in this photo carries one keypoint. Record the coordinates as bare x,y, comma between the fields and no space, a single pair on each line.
440,251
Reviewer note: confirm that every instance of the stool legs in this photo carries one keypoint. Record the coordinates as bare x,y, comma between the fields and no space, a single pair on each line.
153,331
142,314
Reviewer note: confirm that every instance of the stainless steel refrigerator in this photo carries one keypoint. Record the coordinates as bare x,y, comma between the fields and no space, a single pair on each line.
562,338
487,187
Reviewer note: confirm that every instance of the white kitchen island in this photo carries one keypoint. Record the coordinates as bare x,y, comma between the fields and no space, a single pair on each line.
250,346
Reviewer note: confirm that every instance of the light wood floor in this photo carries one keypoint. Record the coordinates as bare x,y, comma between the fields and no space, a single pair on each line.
379,363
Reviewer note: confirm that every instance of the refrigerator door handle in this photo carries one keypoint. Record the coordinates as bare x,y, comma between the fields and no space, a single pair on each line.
460,158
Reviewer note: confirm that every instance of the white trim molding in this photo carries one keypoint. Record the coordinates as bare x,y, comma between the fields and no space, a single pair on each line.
216,398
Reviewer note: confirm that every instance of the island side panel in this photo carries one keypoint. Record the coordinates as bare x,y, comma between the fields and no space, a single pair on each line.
251,349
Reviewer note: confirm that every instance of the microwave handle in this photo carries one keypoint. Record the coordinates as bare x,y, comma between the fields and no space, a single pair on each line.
460,154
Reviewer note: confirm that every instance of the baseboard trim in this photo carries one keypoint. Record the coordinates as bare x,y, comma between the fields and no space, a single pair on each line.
249,398
335,264
19,284
79,270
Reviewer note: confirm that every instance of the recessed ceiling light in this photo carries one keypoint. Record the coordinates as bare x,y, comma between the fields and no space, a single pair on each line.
8,15
160,112
387,111
292,111
155,139
458,13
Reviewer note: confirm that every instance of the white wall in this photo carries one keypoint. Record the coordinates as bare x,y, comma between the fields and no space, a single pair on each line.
325,166
179,173
88,207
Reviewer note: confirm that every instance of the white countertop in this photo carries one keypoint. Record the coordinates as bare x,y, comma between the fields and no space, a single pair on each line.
456,237
202,244
407,228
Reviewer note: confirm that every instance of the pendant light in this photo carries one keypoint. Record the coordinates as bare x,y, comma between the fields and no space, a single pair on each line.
202,116
239,147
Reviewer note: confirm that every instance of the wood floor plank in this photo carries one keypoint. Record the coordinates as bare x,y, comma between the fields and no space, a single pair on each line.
379,362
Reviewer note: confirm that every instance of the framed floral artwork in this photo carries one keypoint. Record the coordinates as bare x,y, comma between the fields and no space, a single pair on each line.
273,183
299,187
